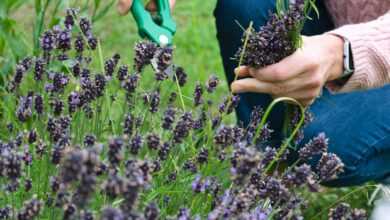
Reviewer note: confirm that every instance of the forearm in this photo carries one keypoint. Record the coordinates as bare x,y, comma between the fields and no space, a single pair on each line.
371,53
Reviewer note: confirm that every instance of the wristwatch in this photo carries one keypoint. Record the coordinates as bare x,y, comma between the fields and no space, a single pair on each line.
348,60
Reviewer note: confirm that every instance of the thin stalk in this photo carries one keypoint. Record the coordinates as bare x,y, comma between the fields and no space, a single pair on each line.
290,138
342,199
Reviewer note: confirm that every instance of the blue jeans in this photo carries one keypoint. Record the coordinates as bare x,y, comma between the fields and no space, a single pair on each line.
357,123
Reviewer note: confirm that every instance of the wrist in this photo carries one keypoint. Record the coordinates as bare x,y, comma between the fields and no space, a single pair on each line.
335,53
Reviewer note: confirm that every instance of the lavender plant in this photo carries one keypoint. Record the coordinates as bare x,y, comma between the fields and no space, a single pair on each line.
87,140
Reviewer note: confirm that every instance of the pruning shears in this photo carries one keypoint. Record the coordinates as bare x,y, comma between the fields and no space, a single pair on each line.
160,29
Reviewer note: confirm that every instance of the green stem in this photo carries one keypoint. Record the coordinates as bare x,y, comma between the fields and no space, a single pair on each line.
291,137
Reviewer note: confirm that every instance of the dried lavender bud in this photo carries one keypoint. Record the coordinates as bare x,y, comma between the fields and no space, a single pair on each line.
180,76
154,100
69,210
122,72
203,156
131,83
39,69
224,136
24,110
89,140
27,185
100,84
234,101
60,80
153,141
110,64
92,42
30,210
168,118
11,164
73,101
152,212
172,98
144,52
172,177
79,44
341,211
115,151
212,83
32,136
54,184
47,41
85,26
64,40
5,212
135,144
183,127
329,166
69,18
163,57
164,151
109,213
268,156
315,146
114,186
198,94
184,214
71,169
57,105
358,214
190,166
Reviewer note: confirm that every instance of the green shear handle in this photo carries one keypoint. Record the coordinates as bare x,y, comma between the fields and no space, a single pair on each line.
161,32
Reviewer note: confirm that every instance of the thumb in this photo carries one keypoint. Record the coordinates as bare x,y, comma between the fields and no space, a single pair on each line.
124,6
151,6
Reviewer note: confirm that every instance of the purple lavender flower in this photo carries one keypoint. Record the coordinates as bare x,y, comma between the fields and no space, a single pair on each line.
48,40
5,212
110,64
212,83
341,211
164,151
168,118
69,18
135,144
329,166
234,101
163,57
30,210
64,40
183,127
122,72
115,151
131,83
38,104
39,69
144,52
109,213
79,44
128,124
85,26
180,76
154,100
203,156
224,136
316,146
198,94
152,212
153,141
92,42
73,102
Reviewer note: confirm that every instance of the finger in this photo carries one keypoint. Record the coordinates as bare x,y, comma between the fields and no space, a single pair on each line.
301,94
287,68
250,85
242,71
151,6
124,6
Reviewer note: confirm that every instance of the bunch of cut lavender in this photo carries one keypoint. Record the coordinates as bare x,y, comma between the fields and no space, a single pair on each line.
86,142
277,39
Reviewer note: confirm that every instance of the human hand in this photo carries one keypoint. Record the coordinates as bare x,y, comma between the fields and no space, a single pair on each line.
301,75
124,6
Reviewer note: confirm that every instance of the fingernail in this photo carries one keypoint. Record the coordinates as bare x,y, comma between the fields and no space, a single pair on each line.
237,70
